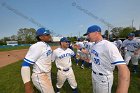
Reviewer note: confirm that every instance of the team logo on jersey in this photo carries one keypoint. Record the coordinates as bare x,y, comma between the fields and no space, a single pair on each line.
49,52
94,52
65,55
96,59
131,44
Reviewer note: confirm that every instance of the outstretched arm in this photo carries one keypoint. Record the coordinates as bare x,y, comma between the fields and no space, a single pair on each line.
25,74
123,79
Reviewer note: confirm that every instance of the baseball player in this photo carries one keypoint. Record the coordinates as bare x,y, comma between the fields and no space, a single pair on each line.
105,56
88,46
131,45
62,58
118,43
38,55
80,55
80,43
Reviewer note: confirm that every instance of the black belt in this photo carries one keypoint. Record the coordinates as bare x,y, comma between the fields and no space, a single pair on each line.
97,73
65,70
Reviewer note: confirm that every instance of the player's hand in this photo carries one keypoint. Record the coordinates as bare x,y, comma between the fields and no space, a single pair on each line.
86,59
28,87
84,51
78,56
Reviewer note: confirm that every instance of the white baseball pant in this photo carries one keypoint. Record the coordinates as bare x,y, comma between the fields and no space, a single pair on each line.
130,55
42,82
62,76
102,83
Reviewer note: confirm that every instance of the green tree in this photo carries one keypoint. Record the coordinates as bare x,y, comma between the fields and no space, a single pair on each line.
115,31
2,42
106,34
14,37
123,33
72,39
26,35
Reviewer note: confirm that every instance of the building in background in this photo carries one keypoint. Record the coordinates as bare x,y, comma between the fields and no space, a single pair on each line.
12,43
56,39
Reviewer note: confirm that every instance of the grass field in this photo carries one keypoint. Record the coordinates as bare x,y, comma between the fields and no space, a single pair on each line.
18,47
14,48
10,80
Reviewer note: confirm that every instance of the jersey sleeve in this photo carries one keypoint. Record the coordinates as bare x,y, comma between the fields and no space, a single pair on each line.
138,43
78,52
115,55
33,54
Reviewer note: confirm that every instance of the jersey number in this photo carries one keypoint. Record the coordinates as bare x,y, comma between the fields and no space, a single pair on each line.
96,61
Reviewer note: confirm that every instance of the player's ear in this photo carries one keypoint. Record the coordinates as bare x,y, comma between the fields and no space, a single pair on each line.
40,37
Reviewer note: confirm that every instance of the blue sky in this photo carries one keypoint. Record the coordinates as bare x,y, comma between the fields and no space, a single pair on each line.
67,19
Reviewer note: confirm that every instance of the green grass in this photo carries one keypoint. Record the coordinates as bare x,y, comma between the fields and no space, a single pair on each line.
11,82
14,48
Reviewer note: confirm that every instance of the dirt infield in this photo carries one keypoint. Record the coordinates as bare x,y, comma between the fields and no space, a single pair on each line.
9,57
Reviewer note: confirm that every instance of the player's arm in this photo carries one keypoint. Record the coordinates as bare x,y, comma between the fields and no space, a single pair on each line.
29,60
123,45
123,71
123,79
86,52
25,74
137,51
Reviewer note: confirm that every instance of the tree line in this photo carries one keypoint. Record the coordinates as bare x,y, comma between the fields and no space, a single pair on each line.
27,35
24,36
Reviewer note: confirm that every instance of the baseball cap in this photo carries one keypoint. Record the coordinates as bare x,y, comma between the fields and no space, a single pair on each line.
79,39
93,28
131,34
42,31
64,39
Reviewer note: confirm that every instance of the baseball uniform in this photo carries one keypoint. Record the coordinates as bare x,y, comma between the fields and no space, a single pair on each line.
63,62
80,54
104,56
39,55
88,46
118,43
131,46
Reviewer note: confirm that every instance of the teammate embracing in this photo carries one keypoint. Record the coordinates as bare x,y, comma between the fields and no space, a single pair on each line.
38,55
105,56
62,57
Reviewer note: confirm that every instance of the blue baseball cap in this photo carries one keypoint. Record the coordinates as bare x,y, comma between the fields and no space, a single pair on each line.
42,31
93,28
64,39
79,39
131,34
